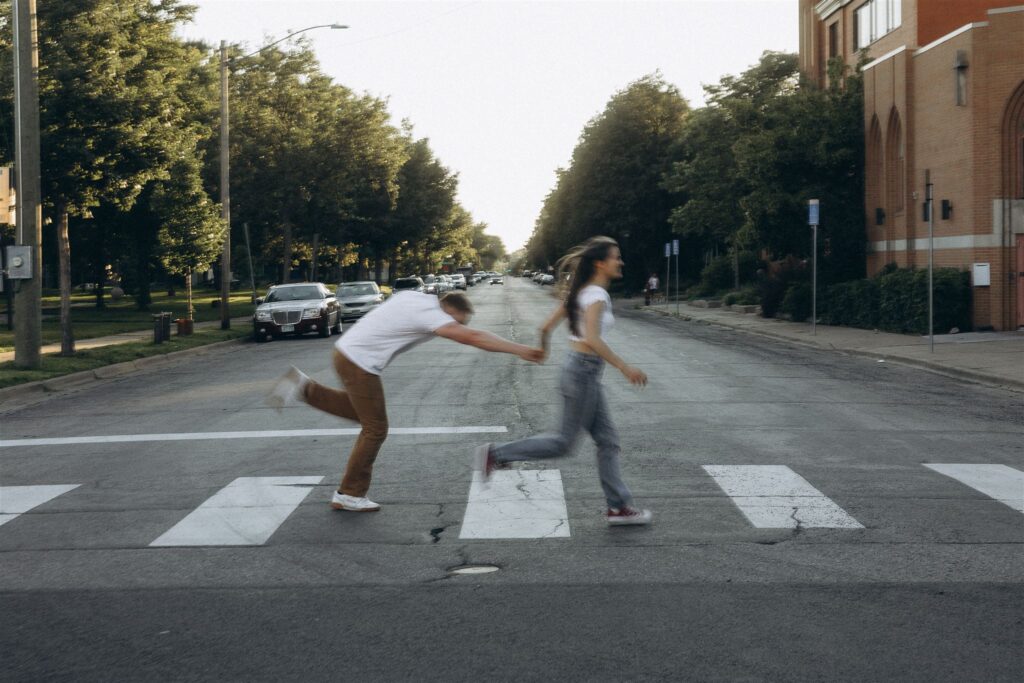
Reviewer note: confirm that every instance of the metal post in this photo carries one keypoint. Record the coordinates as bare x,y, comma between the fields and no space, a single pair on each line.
929,199
814,281
225,192
675,248
248,251
28,312
668,270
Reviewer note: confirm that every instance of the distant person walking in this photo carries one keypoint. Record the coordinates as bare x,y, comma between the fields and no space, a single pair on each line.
360,356
651,289
591,267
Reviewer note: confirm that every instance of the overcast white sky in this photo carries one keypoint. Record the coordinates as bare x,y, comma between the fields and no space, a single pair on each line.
503,89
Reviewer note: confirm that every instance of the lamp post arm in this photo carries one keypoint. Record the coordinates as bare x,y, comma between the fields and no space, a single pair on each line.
290,35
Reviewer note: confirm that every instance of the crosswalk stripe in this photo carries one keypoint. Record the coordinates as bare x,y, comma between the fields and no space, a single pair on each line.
1000,482
776,497
516,504
245,512
15,500
265,434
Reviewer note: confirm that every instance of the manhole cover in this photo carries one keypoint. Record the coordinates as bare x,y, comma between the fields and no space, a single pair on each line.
474,569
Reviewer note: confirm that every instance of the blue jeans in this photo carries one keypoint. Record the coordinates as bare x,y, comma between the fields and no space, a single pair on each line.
584,407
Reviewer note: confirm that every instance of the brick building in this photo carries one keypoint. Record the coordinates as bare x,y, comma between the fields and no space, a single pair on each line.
943,96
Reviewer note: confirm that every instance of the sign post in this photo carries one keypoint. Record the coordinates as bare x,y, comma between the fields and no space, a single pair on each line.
814,218
668,269
675,252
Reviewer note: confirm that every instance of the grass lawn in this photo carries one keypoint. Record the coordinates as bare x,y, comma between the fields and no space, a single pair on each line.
122,316
54,365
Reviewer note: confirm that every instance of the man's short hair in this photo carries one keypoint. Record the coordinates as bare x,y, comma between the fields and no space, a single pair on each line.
458,301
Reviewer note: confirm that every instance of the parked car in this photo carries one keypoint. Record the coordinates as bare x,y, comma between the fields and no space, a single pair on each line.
547,279
459,280
409,283
449,282
434,285
358,298
296,309
498,280
537,277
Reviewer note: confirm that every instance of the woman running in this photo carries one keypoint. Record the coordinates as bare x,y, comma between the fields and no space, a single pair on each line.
589,268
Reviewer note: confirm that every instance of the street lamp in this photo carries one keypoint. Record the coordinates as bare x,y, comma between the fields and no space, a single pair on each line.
225,165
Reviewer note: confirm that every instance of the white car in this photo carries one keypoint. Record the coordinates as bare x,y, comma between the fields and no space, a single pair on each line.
459,280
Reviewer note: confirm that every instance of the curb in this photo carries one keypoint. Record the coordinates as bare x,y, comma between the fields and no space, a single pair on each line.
955,373
77,380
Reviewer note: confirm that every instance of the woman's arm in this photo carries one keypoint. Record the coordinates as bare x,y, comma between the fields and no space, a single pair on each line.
592,338
556,316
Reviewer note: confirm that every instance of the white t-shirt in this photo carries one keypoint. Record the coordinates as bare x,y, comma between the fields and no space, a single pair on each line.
397,325
589,295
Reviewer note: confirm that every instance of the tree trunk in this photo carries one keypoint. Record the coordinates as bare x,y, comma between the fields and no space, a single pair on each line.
143,296
378,263
188,294
67,336
101,276
287,270
312,267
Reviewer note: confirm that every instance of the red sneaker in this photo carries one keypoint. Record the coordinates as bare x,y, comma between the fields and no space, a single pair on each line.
628,515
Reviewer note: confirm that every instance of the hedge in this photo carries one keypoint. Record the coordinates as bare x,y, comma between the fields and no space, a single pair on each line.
896,300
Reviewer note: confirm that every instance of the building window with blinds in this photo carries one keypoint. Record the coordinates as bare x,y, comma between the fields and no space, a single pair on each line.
875,19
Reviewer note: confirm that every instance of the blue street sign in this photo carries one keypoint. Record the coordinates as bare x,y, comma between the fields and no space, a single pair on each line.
675,247
814,212
668,249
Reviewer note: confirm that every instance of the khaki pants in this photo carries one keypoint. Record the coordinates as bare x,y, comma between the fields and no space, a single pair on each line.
362,401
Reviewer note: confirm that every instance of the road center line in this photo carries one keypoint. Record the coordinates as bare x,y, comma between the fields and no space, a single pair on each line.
267,434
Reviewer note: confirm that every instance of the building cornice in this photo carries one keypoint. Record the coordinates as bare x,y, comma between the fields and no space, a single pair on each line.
888,55
825,8
950,36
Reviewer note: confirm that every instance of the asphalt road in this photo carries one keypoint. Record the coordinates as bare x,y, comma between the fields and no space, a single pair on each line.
927,587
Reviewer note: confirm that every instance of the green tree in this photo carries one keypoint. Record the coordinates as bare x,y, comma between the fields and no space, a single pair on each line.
191,229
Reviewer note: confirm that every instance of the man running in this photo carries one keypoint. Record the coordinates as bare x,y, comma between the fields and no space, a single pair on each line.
360,356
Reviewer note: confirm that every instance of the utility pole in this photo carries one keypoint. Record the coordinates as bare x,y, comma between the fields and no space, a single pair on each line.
28,310
814,217
225,192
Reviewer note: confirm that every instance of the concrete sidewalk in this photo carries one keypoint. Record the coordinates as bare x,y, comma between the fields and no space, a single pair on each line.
989,357
124,338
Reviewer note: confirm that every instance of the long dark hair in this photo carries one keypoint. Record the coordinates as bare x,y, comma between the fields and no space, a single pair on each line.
575,270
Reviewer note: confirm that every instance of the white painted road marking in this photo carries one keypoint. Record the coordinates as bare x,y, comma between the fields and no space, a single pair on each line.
271,434
14,500
1001,482
776,497
245,512
516,504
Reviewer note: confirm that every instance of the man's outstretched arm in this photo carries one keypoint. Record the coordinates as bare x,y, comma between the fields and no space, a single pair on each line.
488,342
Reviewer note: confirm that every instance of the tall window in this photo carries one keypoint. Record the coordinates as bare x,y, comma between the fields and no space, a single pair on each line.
833,40
876,18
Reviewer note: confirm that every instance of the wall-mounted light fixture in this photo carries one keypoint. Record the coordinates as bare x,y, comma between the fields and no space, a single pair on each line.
879,216
947,209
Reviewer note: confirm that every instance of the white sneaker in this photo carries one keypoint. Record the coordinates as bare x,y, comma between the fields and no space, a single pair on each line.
342,501
289,390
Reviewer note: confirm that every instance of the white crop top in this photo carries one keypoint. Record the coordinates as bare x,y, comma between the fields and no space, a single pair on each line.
587,297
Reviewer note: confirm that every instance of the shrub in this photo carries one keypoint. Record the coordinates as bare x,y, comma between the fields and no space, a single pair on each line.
743,297
896,300
851,303
775,281
717,275
797,302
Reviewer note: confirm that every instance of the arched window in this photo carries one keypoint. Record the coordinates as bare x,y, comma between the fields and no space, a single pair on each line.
875,176
895,163
1014,145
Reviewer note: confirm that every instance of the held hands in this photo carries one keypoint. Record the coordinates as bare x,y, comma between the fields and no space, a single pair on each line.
532,355
635,376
